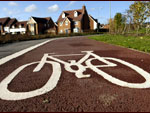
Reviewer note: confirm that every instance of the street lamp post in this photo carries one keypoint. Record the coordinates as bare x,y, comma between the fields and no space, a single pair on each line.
110,16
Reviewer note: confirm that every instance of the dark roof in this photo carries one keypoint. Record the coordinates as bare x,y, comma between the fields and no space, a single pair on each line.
93,18
11,22
48,18
41,20
3,21
70,15
22,23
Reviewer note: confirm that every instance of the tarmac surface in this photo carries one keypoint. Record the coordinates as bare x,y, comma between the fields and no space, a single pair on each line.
8,49
67,91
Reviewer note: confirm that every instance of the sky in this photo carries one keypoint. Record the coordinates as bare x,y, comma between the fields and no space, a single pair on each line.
23,10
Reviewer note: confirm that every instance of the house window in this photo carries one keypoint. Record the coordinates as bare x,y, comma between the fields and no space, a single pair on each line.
75,23
63,15
32,25
61,31
76,30
61,23
75,14
6,29
0,28
22,25
66,22
32,33
66,30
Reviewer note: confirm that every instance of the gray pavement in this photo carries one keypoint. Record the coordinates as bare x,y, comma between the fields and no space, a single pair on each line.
8,49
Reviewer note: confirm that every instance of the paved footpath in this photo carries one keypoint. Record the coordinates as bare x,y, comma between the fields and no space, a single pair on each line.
8,49
75,74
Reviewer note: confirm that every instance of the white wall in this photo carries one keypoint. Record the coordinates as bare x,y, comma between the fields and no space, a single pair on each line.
6,29
95,25
15,30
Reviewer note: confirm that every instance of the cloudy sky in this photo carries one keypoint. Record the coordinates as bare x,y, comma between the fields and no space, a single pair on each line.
22,10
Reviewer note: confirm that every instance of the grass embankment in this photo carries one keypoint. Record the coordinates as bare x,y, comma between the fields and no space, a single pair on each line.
141,43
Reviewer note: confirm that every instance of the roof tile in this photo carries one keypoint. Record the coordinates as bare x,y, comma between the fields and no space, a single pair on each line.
70,15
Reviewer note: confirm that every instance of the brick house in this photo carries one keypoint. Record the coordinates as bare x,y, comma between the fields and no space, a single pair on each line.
73,21
19,28
12,26
3,22
94,25
0,27
9,25
38,25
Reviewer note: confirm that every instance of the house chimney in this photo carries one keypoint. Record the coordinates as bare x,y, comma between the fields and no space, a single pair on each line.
83,9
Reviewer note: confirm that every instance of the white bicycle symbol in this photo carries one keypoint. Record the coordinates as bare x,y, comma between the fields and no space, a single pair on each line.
56,67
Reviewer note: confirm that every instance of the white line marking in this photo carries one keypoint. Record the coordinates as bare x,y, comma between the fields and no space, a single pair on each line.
56,72
51,83
17,54
68,55
116,81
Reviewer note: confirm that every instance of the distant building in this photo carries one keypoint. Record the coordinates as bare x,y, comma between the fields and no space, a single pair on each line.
19,28
73,21
12,26
3,22
104,28
94,25
38,25
9,25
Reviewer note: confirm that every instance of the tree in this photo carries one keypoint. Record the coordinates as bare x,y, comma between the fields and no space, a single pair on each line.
147,4
111,25
118,22
124,23
129,19
138,10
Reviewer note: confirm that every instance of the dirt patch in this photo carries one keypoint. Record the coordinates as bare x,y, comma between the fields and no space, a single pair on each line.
107,99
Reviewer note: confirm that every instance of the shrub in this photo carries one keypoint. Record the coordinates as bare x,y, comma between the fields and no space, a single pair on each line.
23,37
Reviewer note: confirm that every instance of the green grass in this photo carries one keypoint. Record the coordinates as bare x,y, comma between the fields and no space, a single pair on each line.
141,43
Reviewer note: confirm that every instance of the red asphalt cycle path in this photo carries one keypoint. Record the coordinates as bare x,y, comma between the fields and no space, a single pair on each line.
73,94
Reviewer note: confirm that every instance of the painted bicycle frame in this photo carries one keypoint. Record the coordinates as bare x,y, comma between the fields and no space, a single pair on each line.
51,59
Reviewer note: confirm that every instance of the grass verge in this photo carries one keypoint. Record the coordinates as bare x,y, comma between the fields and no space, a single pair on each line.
141,43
